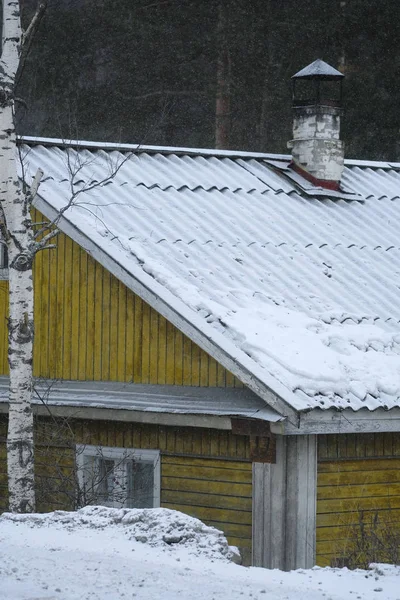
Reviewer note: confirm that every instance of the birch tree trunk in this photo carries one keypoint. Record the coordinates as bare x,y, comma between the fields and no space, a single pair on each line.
16,228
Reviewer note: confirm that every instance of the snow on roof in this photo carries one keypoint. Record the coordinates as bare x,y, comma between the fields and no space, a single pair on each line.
318,68
303,291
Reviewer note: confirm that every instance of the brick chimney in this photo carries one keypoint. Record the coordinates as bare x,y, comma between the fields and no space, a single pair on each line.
317,151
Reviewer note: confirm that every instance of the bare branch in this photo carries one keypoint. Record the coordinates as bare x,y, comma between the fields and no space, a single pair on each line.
48,247
39,223
35,184
28,37
43,242
86,188
30,194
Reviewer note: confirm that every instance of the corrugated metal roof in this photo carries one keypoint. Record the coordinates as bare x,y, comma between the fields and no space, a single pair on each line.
229,235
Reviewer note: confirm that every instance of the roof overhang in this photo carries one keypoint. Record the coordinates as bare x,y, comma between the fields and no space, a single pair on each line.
184,406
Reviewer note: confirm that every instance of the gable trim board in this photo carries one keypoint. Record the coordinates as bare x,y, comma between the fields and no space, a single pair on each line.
185,320
333,421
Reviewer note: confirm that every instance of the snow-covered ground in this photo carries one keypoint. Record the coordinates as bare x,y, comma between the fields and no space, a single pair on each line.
109,554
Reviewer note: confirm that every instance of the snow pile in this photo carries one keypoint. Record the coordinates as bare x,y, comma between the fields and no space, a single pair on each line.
93,555
157,527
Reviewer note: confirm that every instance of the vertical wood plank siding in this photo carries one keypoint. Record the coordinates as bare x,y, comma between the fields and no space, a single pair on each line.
89,326
204,473
358,493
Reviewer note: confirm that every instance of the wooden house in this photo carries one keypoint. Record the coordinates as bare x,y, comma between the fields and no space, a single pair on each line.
218,333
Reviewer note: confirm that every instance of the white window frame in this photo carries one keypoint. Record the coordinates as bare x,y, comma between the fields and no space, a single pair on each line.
122,455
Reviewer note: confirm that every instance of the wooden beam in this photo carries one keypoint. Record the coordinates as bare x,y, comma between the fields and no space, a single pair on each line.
332,420
251,427
269,504
284,506
301,501
128,416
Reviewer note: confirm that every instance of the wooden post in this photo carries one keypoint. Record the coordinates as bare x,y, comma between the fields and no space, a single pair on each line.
284,505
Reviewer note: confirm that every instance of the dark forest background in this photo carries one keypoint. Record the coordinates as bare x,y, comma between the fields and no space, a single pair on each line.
157,71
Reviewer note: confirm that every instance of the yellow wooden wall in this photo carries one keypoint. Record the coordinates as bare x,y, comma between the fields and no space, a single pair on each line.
358,493
89,326
205,473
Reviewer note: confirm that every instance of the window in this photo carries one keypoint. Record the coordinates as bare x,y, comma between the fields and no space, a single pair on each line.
118,477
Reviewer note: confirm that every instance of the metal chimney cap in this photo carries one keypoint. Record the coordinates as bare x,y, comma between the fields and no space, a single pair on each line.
318,69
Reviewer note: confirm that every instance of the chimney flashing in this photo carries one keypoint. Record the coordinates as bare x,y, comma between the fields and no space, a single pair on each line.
324,183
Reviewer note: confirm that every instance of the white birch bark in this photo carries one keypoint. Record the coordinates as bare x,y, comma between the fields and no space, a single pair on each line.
16,228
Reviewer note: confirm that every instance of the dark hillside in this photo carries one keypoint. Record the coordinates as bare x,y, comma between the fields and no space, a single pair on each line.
146,71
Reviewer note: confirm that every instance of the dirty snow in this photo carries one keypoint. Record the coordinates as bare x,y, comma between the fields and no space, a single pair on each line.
101,554
157,527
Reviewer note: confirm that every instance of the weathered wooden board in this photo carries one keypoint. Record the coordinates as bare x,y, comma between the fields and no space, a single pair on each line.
213,499
213,515
203,486
358,504
358,493
362,490
357,446
353,518
372,464
212,473
361,477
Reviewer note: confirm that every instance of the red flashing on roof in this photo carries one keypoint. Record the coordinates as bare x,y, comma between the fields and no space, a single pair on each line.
324,183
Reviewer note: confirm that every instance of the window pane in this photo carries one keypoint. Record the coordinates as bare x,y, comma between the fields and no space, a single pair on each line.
114,477
105,477
141,484
113,484
89,479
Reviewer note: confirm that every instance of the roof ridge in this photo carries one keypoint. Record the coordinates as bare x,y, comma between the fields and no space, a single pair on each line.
182,150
